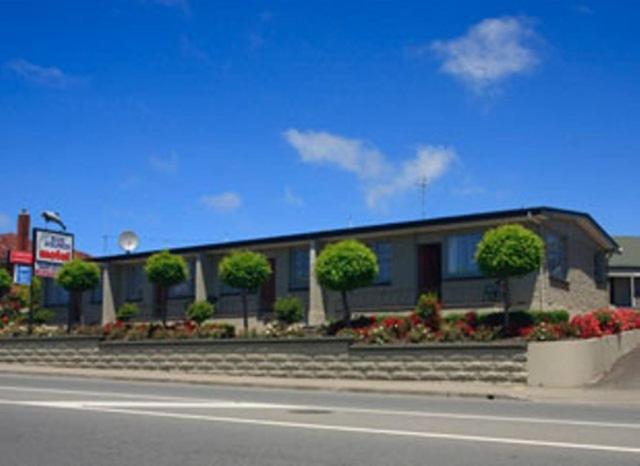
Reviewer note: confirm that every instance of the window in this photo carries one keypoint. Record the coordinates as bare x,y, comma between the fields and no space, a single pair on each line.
557,256
54,294
134,282
599,268
637,288
229,290
96,293
461,251
299,269
382,250
185,289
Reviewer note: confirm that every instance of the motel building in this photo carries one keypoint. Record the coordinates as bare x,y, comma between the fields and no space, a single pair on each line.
414,257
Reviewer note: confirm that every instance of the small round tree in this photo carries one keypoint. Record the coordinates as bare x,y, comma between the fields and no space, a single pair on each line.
77,276
506,252
246,271
165,270
345,266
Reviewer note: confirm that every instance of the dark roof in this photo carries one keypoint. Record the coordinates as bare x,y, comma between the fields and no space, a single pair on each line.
450,220
630,257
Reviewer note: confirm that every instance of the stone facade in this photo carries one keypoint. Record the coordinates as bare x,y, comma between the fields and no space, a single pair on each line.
298,358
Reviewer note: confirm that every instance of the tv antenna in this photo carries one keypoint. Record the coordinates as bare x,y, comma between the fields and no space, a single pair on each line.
422,184
128,241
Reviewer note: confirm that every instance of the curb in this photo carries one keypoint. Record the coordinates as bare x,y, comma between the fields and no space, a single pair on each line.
333,385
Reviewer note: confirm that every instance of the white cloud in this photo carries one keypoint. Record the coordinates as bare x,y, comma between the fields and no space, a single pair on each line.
224,202
5,221
292,198
490,52
167,165
352,155
429,164
380,179
40,75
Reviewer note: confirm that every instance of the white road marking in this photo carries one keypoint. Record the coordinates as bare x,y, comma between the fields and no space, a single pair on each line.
150,404
366,430
202,403
95,393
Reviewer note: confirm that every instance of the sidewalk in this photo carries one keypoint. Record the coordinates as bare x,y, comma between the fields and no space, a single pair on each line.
447,389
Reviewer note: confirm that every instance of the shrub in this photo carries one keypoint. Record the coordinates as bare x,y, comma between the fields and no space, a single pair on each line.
428,309
5,282
288,310
43,316
545,331
604,321
559,316
127,312
216,330
77,276
200,311
517,321
509,251
165,270
333,327
247,271
345,266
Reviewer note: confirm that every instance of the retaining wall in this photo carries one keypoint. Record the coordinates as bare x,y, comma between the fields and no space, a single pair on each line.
574,363
300,358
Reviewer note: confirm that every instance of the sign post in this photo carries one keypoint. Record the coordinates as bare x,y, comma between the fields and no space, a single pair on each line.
51,250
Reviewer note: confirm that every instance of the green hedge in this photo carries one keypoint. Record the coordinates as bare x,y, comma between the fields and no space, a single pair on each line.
518,318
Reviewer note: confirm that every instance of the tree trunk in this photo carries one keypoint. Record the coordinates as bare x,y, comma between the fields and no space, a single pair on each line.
73,310
162,297
245,312
79,313
346,311
506,300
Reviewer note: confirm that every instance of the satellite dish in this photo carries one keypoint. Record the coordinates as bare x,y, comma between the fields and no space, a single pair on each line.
128,241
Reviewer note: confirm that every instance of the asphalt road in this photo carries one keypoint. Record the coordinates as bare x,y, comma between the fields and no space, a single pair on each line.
66,421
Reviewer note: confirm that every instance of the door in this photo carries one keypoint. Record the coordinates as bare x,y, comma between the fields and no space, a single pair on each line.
268,292
430,268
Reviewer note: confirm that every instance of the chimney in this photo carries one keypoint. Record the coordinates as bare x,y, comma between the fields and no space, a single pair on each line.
24,224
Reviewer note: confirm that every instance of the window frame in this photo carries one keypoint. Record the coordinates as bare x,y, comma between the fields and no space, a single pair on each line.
129,275
98,289
293,286
57,303
374,246
562,240
600,268
191,282
465,275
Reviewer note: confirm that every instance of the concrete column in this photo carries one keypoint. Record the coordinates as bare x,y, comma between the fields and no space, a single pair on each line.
317,314
108,301
199,280
632,291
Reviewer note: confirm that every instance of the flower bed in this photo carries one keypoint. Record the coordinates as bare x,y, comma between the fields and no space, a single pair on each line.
425,325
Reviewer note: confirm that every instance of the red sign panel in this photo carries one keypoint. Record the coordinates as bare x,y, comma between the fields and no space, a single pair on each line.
20,257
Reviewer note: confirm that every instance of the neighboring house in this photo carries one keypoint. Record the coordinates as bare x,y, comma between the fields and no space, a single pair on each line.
414,257
53,295
624,273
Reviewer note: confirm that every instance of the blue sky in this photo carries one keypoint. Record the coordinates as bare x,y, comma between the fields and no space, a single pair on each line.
194,122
